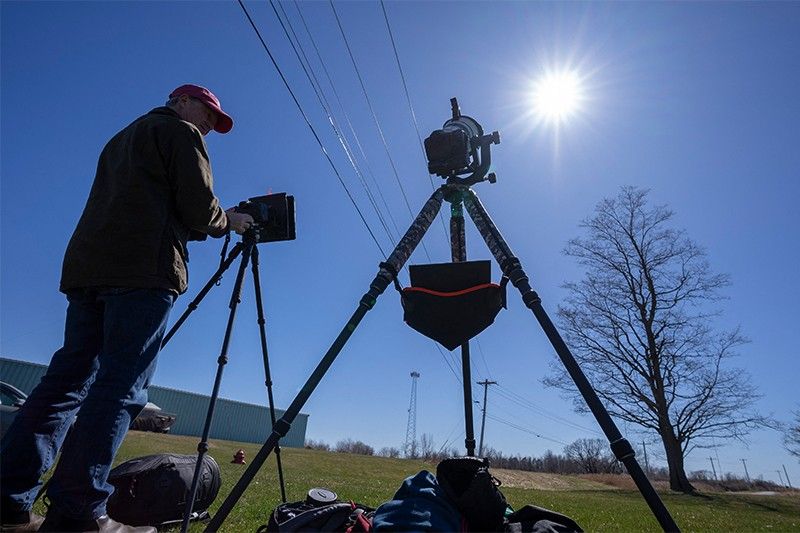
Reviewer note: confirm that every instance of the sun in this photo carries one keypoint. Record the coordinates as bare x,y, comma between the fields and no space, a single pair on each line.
557,95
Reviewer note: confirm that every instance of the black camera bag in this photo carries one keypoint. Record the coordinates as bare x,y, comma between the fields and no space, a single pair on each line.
152,490
473,491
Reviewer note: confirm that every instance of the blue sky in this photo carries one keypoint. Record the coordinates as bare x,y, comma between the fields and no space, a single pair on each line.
697,101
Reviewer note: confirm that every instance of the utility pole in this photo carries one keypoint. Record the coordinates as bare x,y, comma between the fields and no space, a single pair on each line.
787,476
780,476
411,427
646,464
485,384
714,470
747,475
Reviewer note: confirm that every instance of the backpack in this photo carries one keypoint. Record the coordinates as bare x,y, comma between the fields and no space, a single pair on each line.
152,490
468,484
473,491
321,511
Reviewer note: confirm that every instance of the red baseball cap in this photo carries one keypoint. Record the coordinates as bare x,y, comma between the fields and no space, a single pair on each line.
224,121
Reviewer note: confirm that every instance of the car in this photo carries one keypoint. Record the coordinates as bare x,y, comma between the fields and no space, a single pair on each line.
11,399
153,418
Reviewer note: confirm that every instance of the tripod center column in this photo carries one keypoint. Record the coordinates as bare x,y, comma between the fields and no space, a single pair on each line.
458,240
458,249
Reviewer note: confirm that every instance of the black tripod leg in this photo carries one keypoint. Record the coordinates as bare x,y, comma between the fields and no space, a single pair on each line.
388,272
202,447
235,251
458,251
512,268
265,357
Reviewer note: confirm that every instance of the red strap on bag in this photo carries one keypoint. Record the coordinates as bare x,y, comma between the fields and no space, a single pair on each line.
454,293
362,524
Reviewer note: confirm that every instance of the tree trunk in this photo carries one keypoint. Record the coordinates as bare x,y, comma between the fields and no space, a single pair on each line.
677,474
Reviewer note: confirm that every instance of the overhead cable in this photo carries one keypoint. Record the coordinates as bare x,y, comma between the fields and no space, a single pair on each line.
411,107
480,349
311,127
346,116
323,101
450,436
527,404
355,136
526,430
375,119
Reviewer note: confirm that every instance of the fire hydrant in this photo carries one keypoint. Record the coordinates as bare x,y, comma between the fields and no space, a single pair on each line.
238,457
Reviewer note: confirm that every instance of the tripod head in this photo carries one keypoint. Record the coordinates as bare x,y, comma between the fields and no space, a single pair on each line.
460,147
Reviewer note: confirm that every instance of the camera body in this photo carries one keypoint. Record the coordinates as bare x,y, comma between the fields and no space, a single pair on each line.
273,215
448,151
460,147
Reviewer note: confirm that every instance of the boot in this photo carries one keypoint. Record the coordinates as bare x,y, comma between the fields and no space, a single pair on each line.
20,522
106,524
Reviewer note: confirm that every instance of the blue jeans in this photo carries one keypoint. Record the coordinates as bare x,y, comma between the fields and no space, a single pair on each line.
111,340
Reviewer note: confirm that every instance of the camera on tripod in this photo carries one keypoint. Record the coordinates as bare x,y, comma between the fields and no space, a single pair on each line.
454,149
273,216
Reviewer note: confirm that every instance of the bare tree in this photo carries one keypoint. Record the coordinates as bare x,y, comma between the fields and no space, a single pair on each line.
592,455
412,450
317,445
640,325
791,439
426,450
389,451
354,446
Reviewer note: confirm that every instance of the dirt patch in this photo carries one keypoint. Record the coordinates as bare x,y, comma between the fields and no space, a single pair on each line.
541,481
625,482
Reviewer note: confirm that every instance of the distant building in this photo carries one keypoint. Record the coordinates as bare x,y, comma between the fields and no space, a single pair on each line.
236,421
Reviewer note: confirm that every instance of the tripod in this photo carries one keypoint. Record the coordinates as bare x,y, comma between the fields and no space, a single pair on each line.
457,194
249,252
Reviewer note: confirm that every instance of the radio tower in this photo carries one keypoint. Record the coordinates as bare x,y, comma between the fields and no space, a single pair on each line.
410,447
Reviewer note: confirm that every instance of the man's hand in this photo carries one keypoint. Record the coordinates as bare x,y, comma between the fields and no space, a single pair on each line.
239,222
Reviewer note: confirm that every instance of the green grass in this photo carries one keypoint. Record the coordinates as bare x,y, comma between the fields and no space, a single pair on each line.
373,480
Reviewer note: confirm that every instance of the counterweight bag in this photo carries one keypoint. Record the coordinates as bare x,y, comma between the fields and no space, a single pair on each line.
152,490
452,302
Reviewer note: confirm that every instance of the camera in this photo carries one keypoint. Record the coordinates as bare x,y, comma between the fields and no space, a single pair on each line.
454,149
273,216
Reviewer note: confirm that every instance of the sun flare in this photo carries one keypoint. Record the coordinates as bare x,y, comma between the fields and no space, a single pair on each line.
557,96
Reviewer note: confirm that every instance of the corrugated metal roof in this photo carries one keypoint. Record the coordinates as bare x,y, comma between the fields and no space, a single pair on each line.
233,420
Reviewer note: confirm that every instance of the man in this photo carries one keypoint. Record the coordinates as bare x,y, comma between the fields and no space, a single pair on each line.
124,266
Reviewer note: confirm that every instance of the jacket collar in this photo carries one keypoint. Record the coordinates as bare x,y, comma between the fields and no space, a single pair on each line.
164,110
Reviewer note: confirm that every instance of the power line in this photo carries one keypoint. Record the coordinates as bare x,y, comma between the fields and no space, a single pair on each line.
528,404
375,119
346,115
448,439
411,108
310,126
526,430
447,361
323,101
480,349
355,136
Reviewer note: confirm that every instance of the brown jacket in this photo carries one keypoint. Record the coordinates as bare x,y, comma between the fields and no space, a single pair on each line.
153,185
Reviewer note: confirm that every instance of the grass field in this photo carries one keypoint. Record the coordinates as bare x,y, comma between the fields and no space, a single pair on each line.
373,480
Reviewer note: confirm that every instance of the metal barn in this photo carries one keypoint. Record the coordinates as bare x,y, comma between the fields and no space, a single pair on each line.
233,420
